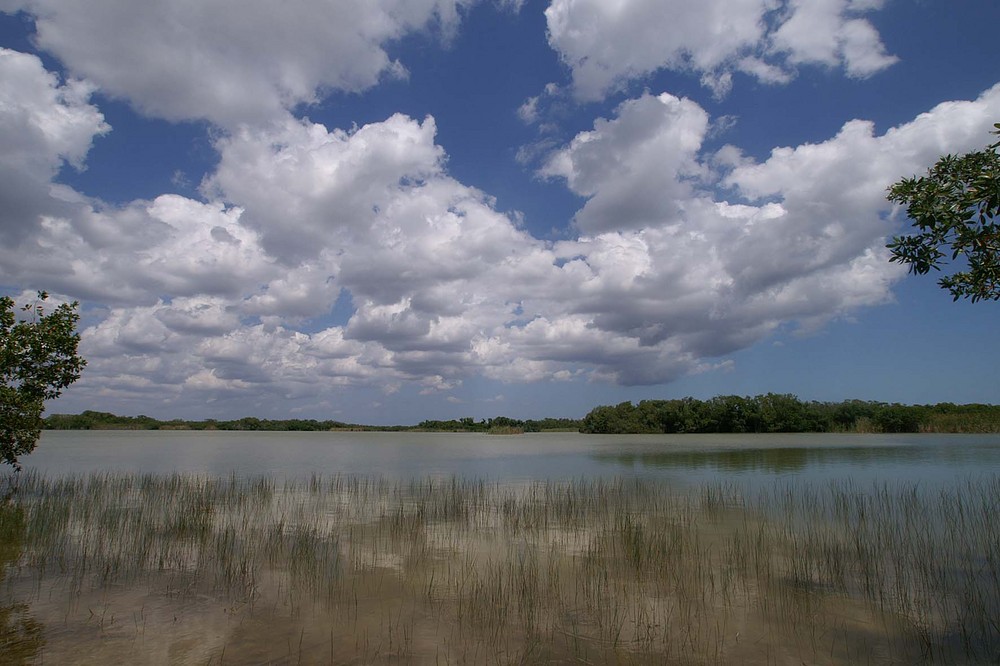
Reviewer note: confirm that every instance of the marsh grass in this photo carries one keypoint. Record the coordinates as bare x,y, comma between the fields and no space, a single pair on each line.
367,570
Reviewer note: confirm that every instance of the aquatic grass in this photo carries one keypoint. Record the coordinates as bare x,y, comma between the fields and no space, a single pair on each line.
349,568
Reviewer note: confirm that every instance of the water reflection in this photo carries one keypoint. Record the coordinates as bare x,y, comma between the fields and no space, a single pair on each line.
404,551
545,456
21,635
771,460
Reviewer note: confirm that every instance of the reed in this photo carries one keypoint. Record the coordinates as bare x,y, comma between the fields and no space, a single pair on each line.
360,569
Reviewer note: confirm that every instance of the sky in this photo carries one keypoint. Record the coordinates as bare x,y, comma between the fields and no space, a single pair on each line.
384,211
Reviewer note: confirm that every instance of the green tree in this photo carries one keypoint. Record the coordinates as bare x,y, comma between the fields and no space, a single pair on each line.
954,208
783,412
38,359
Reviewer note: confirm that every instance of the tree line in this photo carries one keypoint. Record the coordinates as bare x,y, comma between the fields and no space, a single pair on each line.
502,425
766,413
93,420
786,413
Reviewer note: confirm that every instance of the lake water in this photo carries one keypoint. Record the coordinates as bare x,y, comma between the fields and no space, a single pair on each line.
930,460
248,569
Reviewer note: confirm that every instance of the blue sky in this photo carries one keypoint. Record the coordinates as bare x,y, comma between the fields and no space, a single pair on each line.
382,210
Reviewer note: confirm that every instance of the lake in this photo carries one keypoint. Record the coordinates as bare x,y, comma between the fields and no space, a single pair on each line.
418,548
932,460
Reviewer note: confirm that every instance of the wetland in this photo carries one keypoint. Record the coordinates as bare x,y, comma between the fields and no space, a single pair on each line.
413,548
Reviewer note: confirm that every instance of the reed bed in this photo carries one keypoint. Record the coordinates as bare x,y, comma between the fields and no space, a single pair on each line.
462,571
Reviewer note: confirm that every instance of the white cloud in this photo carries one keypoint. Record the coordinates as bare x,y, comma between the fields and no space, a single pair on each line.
635,168
306,188
231,61
45,121
135,254
608,44
444,287
528,112
535,107
437,384
44,124
763,71
861,49
231,296
651,296
513,6
823,32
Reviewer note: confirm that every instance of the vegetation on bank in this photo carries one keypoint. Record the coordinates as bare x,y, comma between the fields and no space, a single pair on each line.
91,420
38,359
786,413
346,569
502,425
722,414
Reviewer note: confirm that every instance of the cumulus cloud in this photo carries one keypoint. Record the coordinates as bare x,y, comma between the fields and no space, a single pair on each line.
192,347
608,44
135,254
833,188
426,261
45,123
307,188
636,168
824,32
231,61
232,295
804,241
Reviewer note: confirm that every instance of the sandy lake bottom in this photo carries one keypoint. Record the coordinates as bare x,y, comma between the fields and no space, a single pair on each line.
186,569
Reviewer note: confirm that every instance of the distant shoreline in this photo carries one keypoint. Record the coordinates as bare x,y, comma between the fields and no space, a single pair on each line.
91,420
769,413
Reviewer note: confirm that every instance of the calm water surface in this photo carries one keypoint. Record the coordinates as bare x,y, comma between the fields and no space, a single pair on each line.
685,459
248,576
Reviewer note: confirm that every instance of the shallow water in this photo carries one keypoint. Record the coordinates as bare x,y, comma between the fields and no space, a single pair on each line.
224,547
684,459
